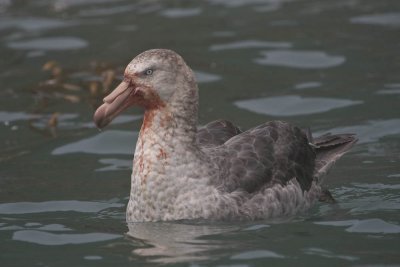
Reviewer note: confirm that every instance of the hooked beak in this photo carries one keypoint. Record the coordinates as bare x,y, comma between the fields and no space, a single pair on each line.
117,101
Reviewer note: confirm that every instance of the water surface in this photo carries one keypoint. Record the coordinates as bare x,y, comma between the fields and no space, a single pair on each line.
332,66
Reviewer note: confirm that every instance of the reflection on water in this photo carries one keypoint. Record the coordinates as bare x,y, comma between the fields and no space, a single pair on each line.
372,226
307,85
49,43
49,227
54,228
33,23
204,77
370,131
249,44
53,206
392,85
293,105
115,164
328,254
256,227
388,92
66,121
60,5
256,254
385,19
50,239
93,257
7,117
242,3
180,12
177,242
300,59
106,11
108,142
361,198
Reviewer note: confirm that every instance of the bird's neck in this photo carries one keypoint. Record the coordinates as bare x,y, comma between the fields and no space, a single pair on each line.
175,120
168,124
166,140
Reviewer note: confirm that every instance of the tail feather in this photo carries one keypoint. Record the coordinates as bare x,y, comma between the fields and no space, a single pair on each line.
329,148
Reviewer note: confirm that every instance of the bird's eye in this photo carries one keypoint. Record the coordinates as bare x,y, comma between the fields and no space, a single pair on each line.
148,72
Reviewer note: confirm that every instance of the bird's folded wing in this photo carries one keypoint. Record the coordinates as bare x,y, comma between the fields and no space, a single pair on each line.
269,154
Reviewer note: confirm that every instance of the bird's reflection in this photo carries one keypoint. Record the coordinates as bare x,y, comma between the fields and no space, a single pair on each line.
177,242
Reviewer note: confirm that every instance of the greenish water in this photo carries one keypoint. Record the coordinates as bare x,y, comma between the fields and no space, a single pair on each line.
330,65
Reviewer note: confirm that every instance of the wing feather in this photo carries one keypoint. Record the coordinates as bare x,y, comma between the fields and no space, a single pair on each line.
216,133
269,154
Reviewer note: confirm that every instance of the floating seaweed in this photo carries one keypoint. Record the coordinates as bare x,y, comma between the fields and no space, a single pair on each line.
88,85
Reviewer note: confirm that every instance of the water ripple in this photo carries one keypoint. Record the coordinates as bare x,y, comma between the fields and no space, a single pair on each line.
256,254
108,142
106,11
241,3
172,242
50,239
204,77
33,23
28,226
371,131
93,257
388,92
385,19
300,59
60,5
64,121
328,254
7,116
372,226
249,44
307,85
55,206
256,227
291,105
180,12
49,43
115,164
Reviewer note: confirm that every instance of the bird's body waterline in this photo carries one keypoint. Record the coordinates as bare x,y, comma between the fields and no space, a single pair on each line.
217,172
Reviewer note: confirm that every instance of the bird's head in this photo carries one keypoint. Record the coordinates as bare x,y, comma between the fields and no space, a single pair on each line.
152,80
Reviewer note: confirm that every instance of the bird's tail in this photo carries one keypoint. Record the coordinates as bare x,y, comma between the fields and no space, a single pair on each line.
329,148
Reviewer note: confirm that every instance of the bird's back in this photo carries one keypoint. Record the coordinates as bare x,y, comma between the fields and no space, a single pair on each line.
271,153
